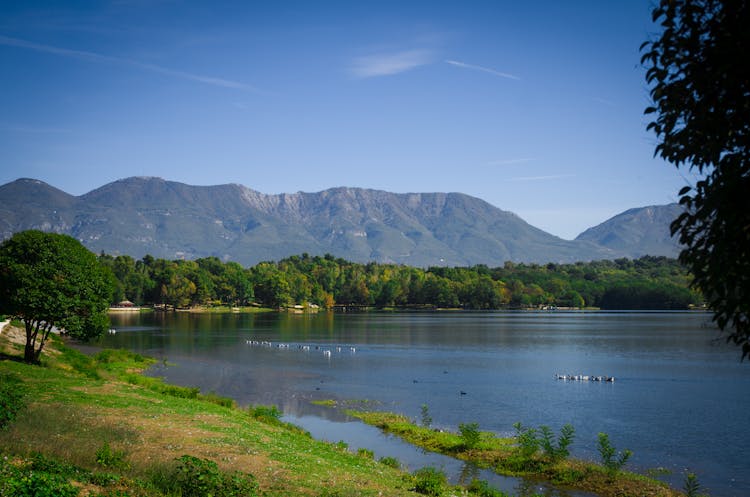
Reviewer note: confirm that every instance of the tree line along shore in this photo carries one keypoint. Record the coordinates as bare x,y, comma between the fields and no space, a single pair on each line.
53,404
328,282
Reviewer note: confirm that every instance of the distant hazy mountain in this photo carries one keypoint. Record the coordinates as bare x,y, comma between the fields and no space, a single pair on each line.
139,216
637,232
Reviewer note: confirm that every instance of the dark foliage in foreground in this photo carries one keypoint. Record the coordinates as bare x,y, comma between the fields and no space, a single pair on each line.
701,108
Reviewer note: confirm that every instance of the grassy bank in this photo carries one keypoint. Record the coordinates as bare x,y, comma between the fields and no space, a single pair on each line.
523,456
95,426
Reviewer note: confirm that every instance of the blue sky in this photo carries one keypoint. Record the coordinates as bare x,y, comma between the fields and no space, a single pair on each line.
535,107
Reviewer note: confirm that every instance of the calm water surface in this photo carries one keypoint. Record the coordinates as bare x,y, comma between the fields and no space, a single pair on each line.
679,400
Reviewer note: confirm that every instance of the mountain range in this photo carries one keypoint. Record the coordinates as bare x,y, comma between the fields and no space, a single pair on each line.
144,215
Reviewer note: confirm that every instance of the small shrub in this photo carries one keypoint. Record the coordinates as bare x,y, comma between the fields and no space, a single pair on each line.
481,488
528,442
12,398
391,462
691,486
179,392
104,479
518,464
470,434
525,457
567,433
218,400
160,476
40,462
108,458
43,485
556,452
271,415
197,477
366,453
266,414
202,477
341,445
611,460
239,484
33,483
569,476
425,414
430,481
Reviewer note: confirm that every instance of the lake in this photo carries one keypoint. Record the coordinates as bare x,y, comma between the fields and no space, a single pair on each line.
679,400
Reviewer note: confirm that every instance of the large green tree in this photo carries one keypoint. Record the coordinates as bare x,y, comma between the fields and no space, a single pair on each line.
51,281
699,80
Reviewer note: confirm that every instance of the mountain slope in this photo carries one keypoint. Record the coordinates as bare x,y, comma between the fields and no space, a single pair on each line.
139,216
32,204
637,232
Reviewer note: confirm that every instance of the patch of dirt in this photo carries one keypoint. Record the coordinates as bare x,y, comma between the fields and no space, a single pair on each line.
13,334
164,438
13,341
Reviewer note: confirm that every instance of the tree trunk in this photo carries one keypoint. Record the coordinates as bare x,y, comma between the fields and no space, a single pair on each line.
29,354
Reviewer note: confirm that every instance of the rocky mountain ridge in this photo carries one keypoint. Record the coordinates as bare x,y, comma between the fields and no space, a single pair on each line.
145,215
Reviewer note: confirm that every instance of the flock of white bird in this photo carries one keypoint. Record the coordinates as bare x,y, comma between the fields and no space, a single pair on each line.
326,350
585,377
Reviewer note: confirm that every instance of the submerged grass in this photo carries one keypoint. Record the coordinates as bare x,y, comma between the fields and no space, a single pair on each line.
502,455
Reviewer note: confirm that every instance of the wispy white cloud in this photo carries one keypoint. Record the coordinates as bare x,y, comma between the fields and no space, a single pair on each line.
509,162
101,58
542,178
65,52
483,69
387,64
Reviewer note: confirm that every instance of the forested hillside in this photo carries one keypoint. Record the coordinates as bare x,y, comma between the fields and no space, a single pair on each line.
645,283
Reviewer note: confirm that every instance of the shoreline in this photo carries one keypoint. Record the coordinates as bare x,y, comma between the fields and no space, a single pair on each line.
340,309
450,453
502,455
118,432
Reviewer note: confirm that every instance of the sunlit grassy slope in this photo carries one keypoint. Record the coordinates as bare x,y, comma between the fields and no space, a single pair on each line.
86,412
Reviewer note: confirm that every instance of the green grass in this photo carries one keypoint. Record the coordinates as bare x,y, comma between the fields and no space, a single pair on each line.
96,422
12,397
101,417
504,456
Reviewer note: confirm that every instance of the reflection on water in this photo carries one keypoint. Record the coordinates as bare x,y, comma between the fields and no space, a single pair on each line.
679,400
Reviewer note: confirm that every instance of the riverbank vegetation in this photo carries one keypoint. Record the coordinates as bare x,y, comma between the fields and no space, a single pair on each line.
533,453
93,426
79,425
326,282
